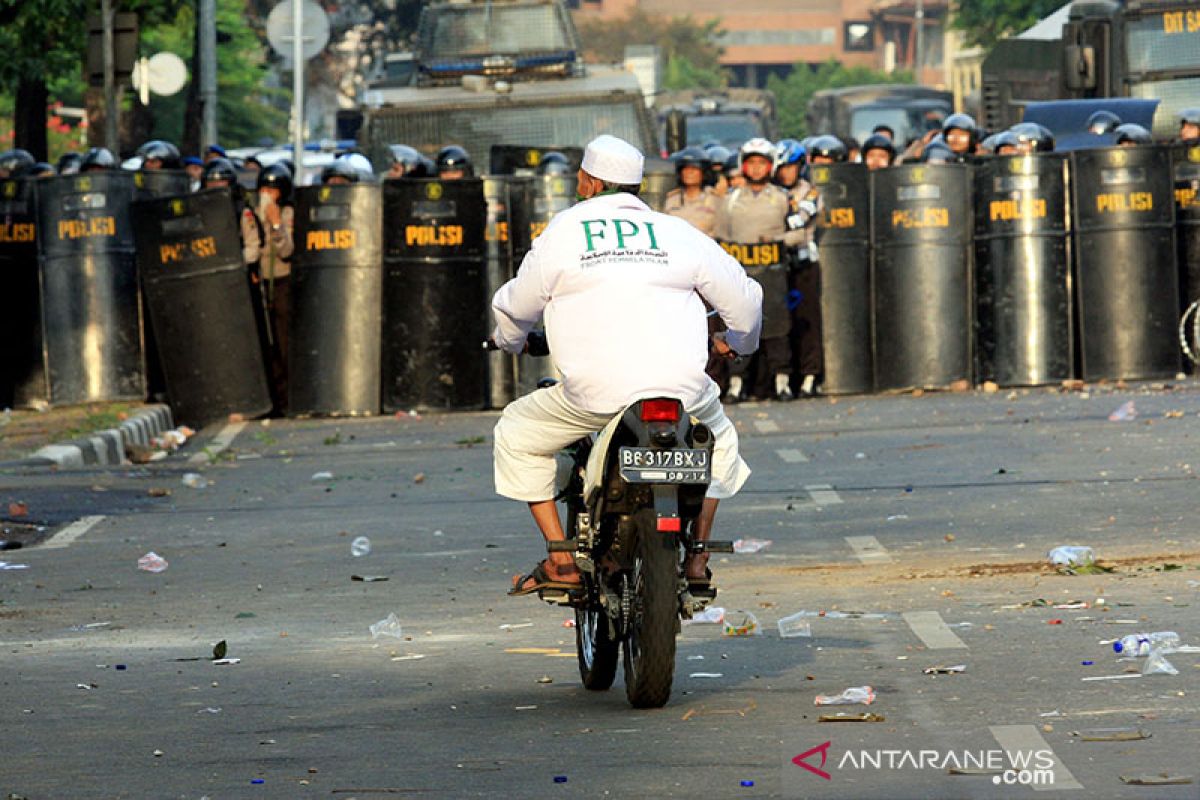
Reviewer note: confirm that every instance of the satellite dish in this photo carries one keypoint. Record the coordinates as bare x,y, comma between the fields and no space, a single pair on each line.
164,74
314,28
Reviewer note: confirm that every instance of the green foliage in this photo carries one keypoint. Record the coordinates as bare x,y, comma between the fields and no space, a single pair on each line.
793,93
692,55
985,22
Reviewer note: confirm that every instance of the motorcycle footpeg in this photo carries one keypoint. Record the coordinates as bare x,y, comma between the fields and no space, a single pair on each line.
711,547
559,597
565,546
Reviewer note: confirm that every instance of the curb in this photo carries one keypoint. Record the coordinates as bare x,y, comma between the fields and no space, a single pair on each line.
107,447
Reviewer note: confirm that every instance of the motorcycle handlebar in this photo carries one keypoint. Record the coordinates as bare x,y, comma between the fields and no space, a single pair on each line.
536,344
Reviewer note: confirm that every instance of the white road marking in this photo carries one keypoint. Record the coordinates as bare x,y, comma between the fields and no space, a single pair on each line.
869,550
1026,749
931,629
823,494
72,532
792,456
766,425
219,443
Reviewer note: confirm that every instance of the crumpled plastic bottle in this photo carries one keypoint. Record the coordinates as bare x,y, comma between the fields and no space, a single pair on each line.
855,695
1072,556
152,562
1140,644
361,546
387,627
1157,664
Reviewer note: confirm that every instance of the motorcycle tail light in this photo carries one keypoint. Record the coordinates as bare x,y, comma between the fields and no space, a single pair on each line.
660,410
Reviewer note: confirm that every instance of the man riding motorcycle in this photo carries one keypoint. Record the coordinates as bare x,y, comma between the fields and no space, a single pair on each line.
622,291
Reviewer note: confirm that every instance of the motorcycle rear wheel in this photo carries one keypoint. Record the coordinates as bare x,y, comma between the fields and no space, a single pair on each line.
650,643
596,648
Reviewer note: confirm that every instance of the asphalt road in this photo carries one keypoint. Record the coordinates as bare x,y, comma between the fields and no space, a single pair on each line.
934,513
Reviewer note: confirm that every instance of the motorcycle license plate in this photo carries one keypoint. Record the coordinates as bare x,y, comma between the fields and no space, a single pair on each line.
648,465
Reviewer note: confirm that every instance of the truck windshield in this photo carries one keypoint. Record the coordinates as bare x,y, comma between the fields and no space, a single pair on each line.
487,29
728,129
908,122
1175,95
1167,40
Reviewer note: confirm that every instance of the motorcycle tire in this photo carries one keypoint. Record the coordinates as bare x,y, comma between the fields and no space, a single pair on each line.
597,649
650,641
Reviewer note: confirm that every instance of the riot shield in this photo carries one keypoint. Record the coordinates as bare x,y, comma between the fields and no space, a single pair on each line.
766,263
1125,262
22,370
152,183
1022,264
337,306
507,240
658,178
434,294
1186,170
921,229
91,315
514,159
844,239
190,257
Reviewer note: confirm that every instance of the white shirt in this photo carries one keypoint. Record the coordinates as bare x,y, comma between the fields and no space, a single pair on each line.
620,287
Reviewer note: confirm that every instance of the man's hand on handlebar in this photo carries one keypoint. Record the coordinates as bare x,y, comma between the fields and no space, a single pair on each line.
722,348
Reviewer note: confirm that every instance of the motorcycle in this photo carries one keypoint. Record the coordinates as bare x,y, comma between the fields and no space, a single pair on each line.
632,494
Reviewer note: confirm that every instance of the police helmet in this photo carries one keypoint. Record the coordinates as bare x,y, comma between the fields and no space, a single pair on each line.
828,146
962,122
938,152
164,151
1038,136
42,169
884,130
408,157
877,141
219,169
1190,116
690,157
97,158
360,163
278,177
1005,139
453,157
340,168
17,162
1131,133
731,167
717,155
554,163
1102,122
68,163
757,146
790,152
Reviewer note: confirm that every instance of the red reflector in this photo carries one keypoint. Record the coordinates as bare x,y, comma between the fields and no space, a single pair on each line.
669,524
660,411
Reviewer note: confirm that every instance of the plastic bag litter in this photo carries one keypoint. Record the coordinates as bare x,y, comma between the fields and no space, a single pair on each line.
387,627
1125,413
1072,556
194,480
794,626
152,562
743,624
855,695
322,476
746,546
713,615
1157,664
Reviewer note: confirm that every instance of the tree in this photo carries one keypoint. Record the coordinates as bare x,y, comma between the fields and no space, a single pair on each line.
692,55
985,22
793,92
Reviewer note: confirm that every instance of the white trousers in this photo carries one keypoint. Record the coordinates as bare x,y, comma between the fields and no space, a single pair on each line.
534,428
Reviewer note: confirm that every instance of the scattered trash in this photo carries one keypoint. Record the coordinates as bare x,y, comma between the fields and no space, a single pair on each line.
219,650
158,491
194,480
1124,413
568,623
746,546
894,517
1140,644
409,657
1054,622
855,695
387,627
794,626
257,780
172,440
6,565
224,662
318,477
860,456
560,778
1112,677
361,546
747,783
1161,779
120,667
152,562
1072,556
508,626
90,626
369,578
944,670
707,675
525,708
545,679
1111,735
158,754
960,624
746,626
88,686
713,615
209,710
1074,605
1157,664
1087,663
419,477
843,717
695,658
1054,713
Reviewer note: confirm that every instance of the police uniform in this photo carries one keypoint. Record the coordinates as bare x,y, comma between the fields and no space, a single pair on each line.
701,210
747,216
270,248
806,206
618,331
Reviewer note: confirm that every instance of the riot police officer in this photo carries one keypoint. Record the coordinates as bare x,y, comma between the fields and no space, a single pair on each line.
720,159
404,162
454,163
1032,138
42,169
1007,144
340,171
97,159
159,154
692,200
275,218
960,134
1102,122
938,152
878,151
68,163
1189,124
756,213
556,164
194,168
806,274
15,163
1131,135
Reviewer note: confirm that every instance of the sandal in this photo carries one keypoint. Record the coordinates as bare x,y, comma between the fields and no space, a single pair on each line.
541,580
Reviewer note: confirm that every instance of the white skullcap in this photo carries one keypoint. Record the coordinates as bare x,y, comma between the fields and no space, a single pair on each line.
614,160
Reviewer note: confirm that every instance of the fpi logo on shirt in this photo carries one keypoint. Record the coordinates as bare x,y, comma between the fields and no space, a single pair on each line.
625,233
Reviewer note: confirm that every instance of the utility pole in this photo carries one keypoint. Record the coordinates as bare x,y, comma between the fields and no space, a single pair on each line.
919,17
208,72
110,81
298,89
